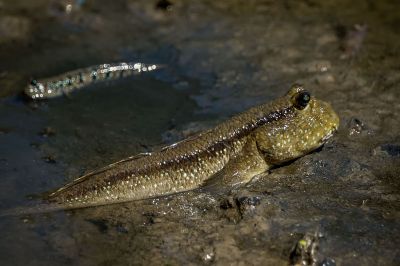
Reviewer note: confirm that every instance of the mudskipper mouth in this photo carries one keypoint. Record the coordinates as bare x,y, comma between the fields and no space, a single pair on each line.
329,135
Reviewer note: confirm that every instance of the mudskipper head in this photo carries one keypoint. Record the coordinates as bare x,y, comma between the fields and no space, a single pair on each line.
304,124
35,89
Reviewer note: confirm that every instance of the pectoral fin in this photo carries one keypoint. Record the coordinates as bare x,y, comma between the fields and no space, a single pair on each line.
239,170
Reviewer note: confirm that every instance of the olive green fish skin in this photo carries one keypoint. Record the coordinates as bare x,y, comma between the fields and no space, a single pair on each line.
233,152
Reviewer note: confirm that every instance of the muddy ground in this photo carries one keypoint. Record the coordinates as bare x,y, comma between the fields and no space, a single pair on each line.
337,206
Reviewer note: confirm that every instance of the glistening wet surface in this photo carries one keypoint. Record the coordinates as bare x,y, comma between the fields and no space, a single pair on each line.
337,206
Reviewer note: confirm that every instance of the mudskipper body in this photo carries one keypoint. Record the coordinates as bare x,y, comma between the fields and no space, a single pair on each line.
234,152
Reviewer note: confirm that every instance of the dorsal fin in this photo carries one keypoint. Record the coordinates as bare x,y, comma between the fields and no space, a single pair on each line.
190,138
96,172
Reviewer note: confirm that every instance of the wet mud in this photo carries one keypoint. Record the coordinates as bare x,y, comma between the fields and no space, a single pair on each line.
339,205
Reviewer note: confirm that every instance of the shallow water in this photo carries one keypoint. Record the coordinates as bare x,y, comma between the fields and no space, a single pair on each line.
222,58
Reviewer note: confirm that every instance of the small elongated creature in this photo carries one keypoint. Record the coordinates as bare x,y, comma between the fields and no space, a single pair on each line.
232,153
80,78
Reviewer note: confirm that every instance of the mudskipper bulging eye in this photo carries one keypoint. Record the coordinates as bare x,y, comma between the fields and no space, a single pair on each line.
302,99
